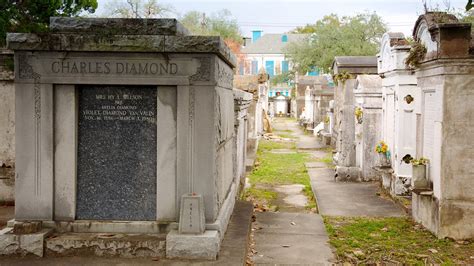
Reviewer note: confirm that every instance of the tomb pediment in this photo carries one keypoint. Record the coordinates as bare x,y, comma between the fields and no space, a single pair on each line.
439,31
394,47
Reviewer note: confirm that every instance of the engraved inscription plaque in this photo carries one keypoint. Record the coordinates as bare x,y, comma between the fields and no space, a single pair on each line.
116,169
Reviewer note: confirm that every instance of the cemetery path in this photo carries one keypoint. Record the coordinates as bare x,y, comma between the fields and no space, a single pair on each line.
294,234
348,198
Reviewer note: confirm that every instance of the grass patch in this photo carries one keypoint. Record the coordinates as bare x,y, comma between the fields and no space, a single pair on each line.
285,131
327,159
262,194
287,136
394,240
279,169
268,145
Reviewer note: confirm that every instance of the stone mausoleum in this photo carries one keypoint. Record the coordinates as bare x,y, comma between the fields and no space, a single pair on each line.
116,121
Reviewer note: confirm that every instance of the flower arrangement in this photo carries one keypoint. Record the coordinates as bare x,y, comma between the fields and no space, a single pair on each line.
420,161
358,114
381,147
382,150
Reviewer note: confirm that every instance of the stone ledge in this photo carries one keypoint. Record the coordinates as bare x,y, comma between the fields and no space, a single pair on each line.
22,244
205,246
77,42
129,26
105,244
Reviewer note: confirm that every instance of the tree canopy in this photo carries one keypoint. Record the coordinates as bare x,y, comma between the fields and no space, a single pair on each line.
136,9
336,36
33,15
220,23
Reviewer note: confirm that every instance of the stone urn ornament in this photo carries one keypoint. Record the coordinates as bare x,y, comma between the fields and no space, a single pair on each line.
420,181
383,154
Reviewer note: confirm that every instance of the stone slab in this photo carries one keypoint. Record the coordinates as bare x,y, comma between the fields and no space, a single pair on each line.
130,227
23,244
280,242
113,184
106,244
6,213
234,247
129,26
204,246
316,165
309,143
349,199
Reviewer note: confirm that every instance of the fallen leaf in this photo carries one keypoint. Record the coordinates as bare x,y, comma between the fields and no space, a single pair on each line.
432,250
359,254
385,229
293,223
155,258
285,246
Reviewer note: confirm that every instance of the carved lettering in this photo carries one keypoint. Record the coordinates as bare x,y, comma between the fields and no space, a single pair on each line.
123,107
120,68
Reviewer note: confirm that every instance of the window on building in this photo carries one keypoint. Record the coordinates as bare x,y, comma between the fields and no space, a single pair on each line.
277,68
284,66
284,38
270,67
241,69
254,67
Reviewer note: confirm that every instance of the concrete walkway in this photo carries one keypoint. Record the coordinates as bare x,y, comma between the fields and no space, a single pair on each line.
291,238
349,199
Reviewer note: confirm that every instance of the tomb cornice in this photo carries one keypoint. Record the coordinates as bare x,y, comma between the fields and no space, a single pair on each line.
446,67
75,42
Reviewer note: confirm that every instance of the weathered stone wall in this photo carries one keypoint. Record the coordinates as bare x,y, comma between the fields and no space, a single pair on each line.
7,129
368,97
242,101
345,157
401,99
259,103
445,126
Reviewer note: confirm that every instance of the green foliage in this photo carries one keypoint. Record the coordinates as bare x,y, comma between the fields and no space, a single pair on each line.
279,169
469,5
392,241
261,194
267,145
342,77
282,78
220,24
420,161
33,15
416,55
336,36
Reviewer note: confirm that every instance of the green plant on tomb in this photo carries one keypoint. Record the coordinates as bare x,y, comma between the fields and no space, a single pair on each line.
416,55
342,77
358,114
327,120
420,161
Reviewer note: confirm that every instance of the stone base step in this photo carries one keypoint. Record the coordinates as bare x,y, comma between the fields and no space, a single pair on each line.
106,244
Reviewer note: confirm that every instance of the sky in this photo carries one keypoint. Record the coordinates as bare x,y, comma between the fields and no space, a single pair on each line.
279,16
